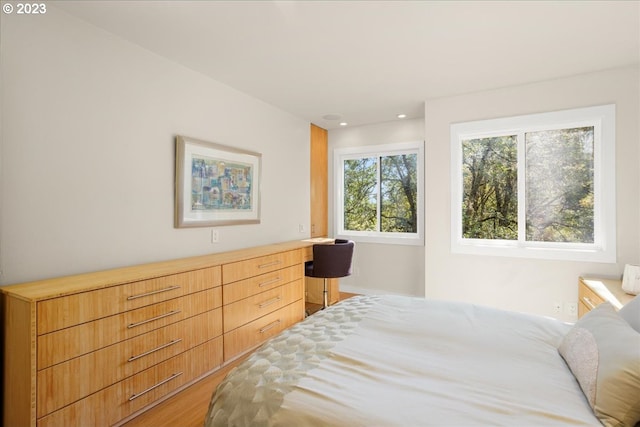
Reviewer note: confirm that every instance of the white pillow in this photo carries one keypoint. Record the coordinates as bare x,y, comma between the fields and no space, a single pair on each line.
631,313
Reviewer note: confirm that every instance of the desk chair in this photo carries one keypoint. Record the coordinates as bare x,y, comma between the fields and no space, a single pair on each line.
330,261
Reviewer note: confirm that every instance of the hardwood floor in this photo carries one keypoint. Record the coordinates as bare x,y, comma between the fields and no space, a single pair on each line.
189,407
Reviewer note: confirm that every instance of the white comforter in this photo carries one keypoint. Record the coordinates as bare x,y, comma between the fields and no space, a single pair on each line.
397,361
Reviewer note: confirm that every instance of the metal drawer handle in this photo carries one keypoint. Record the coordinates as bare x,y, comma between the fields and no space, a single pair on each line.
269,264
270,326
268,282
135,396
146,353
269,302
588,302
170,288
171,313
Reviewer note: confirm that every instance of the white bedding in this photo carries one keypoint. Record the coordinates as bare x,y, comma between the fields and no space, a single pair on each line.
398,361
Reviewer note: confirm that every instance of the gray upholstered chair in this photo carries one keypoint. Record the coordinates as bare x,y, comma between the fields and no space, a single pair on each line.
330,261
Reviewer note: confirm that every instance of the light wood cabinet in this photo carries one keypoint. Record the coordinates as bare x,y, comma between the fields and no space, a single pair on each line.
319,181
114,403
97,349
594,291
250,335
68,343
74,379
270,286
71,310
315,289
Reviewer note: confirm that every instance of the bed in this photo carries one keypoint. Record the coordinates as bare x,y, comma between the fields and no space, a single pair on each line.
400,361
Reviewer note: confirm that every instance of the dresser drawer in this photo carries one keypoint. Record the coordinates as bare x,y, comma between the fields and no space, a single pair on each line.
72,342
245,288
249,309
120,400
71,310
252,334
235,271
72,380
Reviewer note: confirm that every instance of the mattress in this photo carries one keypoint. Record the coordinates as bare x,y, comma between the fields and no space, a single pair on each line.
400,361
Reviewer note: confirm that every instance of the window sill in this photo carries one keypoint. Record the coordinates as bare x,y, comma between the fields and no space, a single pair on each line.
559,254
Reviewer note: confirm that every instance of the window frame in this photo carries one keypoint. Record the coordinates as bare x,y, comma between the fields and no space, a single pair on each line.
603,249
346,153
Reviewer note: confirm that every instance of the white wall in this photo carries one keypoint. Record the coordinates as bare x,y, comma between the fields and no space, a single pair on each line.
87,152
521,284
379,268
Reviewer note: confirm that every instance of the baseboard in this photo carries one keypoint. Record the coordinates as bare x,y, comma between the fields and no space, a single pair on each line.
365,291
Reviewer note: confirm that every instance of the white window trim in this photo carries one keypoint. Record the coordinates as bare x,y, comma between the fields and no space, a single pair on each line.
604,247
345,153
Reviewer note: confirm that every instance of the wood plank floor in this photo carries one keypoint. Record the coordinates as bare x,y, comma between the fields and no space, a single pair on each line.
189,407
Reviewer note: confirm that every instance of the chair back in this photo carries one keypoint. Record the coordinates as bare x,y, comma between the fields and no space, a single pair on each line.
334,260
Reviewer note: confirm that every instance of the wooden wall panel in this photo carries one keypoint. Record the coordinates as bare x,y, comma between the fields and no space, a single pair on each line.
319,181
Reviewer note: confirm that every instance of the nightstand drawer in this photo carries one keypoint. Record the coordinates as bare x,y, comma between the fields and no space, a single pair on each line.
587,297
71,310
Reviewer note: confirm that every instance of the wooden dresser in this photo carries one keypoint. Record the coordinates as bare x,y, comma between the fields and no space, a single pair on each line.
98,348
261,297
594,291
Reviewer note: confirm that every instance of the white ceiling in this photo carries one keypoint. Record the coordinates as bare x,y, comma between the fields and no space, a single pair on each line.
370,60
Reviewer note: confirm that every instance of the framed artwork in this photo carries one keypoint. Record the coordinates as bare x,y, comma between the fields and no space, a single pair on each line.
215,184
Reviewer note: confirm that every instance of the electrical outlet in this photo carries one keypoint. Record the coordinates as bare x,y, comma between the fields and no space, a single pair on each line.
215,236
301,228
557,307
571,308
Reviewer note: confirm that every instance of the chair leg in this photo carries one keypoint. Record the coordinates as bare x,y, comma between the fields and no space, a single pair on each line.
325,295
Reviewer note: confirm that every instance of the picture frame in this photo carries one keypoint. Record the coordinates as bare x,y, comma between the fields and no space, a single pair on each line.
215,184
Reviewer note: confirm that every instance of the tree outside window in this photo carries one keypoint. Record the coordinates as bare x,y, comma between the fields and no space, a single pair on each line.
490,176
540,186
380,192
558,186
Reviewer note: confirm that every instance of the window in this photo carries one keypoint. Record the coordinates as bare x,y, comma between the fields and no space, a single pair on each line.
379,193
537,186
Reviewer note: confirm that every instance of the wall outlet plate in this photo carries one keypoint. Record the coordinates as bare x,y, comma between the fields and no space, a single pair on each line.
571,308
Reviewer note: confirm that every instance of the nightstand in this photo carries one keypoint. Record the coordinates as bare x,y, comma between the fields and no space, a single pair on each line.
593,291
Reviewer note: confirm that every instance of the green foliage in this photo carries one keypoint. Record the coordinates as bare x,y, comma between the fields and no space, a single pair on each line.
398,194
398,205
360,194
559,176
559,182
490,199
